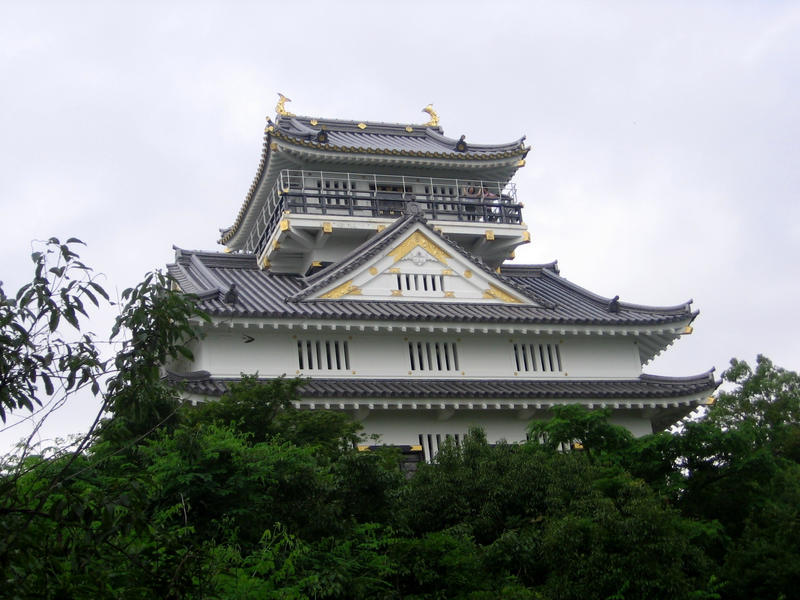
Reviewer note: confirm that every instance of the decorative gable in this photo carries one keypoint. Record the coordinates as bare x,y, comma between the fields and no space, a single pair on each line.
417,264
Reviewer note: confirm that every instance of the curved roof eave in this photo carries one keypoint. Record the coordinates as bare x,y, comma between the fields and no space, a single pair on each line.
684,307
668,390
271,164
306,128
502,166
440,137
229,233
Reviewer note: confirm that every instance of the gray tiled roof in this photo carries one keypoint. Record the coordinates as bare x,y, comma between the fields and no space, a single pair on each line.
386,138
645,387
265,294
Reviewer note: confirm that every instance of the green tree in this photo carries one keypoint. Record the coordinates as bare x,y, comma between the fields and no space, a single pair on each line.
39,359
563,524
573,425
51,510
764,401
755,490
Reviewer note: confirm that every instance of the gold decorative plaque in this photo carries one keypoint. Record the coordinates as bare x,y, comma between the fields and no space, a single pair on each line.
418,239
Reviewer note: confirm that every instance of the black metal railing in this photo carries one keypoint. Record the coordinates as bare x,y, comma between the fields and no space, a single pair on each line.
389,204
384,196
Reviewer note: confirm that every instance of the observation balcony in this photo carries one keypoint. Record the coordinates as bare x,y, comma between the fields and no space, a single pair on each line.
359,204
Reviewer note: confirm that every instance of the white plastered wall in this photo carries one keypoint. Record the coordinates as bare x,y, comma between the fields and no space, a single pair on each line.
225,353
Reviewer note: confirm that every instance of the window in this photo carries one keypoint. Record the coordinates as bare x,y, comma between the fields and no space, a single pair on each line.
420,282
433,356
533,358
323,355
334,191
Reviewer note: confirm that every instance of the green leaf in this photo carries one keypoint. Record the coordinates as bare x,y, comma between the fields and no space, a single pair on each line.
185,352
98,288
70,380
69,315
91,297
48,384
55,317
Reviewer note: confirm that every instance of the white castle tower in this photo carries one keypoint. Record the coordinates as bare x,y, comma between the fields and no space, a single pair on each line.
371,258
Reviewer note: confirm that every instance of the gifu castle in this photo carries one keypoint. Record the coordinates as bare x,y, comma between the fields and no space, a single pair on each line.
371,259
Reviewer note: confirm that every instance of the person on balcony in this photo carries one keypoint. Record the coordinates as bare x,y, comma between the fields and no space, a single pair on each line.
472,194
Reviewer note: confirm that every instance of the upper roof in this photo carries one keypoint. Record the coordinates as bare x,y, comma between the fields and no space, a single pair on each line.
397,139
293,142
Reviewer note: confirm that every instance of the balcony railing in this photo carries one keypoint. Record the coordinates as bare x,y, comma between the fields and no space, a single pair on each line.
377,195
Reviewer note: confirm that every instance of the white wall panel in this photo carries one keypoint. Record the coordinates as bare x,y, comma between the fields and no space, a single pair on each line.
273,353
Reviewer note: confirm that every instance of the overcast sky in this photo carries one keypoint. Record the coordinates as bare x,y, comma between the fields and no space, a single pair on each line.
666,135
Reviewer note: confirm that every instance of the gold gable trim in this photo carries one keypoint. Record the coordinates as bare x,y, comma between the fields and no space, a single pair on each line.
346,289
496,293
423,241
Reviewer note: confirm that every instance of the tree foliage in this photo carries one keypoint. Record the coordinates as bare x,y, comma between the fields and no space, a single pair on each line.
39,359
248,497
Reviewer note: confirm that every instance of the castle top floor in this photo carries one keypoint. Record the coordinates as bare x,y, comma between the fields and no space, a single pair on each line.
330,179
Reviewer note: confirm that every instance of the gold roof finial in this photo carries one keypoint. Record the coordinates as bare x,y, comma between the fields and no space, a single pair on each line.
434,122
280,108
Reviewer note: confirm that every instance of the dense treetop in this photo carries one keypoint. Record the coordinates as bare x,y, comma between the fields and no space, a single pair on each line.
249,498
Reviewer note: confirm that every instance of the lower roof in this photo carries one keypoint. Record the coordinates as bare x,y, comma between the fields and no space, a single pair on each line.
260,294
647,387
